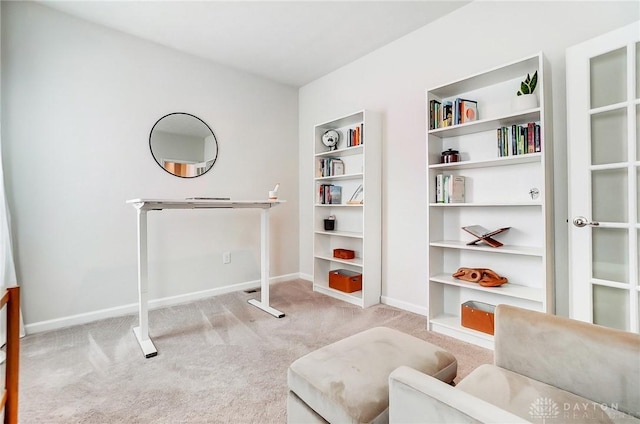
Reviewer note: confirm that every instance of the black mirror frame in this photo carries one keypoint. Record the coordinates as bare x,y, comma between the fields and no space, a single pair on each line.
205,124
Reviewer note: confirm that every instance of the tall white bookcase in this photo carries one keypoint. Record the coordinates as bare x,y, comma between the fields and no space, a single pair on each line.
500,191
357,226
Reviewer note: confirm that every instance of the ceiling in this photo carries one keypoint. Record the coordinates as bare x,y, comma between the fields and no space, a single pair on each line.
291,42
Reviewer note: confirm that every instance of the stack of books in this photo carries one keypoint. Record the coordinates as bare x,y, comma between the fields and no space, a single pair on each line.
329,167
448,113
355,136
449,189
519,139
329,194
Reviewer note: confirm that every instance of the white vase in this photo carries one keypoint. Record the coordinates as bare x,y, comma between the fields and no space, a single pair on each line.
524,102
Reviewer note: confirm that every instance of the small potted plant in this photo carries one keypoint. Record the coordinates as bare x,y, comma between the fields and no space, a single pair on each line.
526,99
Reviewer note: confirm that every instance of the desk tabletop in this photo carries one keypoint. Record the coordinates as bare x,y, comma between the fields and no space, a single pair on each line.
201,203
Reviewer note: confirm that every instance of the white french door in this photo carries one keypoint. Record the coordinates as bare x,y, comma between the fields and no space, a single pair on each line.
603,123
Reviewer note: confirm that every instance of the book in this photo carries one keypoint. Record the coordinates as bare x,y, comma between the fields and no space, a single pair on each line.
434,107
468,110
337,167
447,114
530,141
480,231
335,194
536,139
456,189
319,168
439,188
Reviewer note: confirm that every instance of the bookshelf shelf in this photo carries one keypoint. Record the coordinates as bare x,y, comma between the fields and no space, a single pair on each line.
483,205
501,161
487,124
354,298
329,257
506,249
339,205
358,175
340,234
509,289
347,151
358,226
500,191
450,325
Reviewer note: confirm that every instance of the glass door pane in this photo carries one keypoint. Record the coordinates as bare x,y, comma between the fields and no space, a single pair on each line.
609,137
611,307
609,78
610,248
638,132
609,187
637,71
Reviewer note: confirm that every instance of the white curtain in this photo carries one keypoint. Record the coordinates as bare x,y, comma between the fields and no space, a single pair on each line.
7,265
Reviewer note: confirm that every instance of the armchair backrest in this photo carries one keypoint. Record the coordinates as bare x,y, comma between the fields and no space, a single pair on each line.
595,362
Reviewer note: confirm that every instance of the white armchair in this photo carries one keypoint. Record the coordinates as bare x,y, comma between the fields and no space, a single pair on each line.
546,369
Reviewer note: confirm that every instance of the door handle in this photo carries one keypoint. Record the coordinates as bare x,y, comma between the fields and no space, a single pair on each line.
581,221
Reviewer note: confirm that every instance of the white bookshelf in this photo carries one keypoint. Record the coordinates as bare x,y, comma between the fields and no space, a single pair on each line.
497,194
358,226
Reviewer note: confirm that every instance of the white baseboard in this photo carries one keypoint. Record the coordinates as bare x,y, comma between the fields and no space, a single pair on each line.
132,308
411,307
307,277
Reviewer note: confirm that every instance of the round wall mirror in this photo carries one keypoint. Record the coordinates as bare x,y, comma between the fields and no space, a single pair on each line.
183,145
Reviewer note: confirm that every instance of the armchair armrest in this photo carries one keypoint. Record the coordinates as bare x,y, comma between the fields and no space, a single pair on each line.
415,397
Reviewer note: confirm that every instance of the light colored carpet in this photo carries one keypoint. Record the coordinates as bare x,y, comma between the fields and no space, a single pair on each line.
220,360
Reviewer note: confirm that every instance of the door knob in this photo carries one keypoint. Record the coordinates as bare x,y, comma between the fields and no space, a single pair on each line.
581,221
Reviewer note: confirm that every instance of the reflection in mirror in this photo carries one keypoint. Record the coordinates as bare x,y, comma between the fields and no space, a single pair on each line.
183,145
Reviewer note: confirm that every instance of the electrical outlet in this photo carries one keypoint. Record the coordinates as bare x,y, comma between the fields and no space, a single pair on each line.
226,257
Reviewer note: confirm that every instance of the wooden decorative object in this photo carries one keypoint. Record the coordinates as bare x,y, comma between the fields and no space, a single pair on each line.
483,276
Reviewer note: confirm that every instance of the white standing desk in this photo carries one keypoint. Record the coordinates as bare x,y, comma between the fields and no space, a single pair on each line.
145,205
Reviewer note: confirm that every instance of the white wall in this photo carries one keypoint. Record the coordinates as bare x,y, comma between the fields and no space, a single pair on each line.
78,103
393,80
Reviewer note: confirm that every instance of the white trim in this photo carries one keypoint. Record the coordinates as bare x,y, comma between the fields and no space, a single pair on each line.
307,277
406,306
132,308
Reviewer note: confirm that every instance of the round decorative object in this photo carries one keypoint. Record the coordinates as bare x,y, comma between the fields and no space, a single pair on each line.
183,145
330,139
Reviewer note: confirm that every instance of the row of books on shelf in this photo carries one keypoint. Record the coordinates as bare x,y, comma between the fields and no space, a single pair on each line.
449,188
450,113
355,136
329,194
329,167
519,139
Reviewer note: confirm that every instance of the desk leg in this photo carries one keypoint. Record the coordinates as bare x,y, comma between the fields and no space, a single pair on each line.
264,268
142,331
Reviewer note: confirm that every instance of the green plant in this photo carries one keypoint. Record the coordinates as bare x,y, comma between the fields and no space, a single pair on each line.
529,84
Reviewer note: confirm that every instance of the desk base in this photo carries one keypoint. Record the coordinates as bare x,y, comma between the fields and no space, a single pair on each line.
147,346
268,309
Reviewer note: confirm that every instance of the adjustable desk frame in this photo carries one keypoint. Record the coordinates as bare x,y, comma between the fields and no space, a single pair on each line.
145,205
